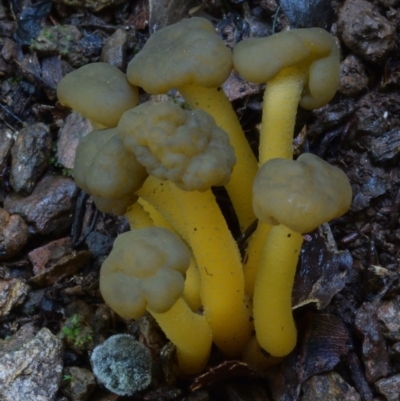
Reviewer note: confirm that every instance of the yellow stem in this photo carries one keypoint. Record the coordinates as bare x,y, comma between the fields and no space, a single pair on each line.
272,302
256,357
191,293
215,102
253,254
281,100
137,217
190,333
157,193
198,219
156,217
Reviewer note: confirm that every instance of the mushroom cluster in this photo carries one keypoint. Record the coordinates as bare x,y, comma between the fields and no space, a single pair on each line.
156,164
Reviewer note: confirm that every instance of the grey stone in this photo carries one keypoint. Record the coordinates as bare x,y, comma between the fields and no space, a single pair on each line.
12,293
73,130
30,368
328,387
78,383
49,208
30,157
114,49
365,31
389,387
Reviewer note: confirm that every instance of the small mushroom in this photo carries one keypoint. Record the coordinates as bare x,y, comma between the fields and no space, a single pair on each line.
98,91
295,196
300,66
190,57
301,194
142,214
145,271
187,148
106,170
184,147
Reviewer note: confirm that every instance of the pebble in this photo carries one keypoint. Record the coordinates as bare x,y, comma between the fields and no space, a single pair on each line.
114,49
74,129
30,366
353,78
365,31
329,385
78,383
389,387
56,260
12,293
13,234
374,353
30,157
389,316
49,208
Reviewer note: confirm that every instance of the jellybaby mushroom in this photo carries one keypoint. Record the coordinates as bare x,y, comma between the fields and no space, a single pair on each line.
98,91
190,57
300,66
184,147
142,214
188,149
104,169
295,197
145,271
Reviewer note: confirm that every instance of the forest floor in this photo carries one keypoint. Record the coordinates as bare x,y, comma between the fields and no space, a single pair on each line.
347,290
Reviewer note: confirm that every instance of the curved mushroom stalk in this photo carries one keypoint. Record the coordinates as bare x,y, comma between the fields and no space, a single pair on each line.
294,197
215,102
190,333
144,271
272,301
216,255
190,57
300,66
188,149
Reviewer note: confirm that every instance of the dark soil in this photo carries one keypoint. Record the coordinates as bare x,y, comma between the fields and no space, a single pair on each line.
347,293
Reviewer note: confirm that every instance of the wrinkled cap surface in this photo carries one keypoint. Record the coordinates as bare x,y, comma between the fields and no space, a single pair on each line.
145,269
185,147
301,194
311,48
104,169
98,91
188,52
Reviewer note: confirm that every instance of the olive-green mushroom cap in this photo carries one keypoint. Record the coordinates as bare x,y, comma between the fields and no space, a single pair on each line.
301,194
185,147
98,91
188,52
105,169
145,269
261,59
